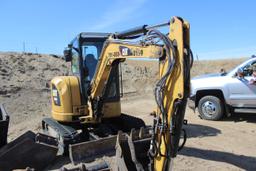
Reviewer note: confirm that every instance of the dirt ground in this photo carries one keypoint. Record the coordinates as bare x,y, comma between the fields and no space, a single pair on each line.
227,145
222,145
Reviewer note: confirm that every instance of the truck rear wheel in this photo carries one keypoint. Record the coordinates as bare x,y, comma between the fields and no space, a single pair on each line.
210,108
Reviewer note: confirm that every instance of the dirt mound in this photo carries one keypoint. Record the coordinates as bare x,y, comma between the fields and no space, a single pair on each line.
139,76
28,71
24,87
214,66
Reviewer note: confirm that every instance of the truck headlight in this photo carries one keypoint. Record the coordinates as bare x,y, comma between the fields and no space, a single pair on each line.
55,96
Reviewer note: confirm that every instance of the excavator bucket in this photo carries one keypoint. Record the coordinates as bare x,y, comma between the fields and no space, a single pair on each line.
4,124
89,151
132,152
29,150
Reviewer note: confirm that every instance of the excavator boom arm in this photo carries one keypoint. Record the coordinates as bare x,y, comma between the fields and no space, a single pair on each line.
118,51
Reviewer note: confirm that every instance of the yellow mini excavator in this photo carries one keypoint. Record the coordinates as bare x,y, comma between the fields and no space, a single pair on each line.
86,99
86,109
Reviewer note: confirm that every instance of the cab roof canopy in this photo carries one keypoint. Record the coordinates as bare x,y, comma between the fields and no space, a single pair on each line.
90,35
94,35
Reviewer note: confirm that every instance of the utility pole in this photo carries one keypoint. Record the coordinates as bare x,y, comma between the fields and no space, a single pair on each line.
36,50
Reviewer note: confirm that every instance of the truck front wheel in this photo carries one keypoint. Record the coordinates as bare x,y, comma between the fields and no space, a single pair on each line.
210,108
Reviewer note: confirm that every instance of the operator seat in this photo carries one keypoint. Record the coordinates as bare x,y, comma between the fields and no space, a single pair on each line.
90,62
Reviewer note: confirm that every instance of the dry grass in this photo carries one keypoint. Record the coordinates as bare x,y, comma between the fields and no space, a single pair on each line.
214,66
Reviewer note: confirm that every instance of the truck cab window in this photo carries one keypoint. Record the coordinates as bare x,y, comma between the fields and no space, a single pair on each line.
248,69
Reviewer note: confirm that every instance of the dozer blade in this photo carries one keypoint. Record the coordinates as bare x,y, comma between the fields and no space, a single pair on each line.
29,150
89,151
4,123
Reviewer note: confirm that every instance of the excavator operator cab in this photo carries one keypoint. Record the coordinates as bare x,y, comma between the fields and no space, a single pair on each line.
84,52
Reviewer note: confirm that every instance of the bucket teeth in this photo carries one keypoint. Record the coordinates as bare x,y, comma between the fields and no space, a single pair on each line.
132,149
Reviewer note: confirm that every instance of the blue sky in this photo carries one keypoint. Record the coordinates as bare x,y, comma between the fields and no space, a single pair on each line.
219,29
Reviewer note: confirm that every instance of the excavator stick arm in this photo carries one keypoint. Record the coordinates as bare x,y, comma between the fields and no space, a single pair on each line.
174,96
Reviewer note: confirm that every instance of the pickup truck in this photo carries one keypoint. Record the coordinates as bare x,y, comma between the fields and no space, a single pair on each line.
215,95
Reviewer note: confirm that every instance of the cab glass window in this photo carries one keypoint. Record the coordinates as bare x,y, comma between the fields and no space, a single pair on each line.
75,58
91,53
75,62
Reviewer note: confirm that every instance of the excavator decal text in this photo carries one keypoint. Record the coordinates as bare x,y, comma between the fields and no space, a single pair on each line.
125,51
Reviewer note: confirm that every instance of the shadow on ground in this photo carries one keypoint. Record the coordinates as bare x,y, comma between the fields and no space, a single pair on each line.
195,130
241,161
58,163
240,117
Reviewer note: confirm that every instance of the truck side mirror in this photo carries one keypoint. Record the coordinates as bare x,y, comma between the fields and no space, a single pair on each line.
67,54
